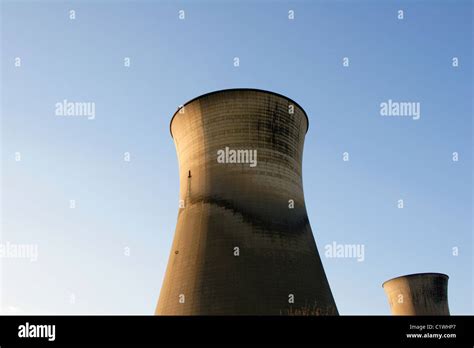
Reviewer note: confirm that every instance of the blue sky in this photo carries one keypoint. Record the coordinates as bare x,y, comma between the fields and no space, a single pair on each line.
82,267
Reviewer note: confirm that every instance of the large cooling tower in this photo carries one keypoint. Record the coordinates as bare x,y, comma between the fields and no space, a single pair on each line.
418,294
243,243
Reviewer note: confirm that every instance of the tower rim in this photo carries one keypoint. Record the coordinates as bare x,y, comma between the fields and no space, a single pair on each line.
442,275
237,90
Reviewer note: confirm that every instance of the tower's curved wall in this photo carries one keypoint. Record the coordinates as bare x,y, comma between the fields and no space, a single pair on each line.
238,246
418,294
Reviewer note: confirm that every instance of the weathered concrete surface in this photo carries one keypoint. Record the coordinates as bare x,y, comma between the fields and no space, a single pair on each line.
229,206
418,294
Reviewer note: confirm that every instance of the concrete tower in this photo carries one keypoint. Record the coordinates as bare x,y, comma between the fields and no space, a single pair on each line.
243,243
418,294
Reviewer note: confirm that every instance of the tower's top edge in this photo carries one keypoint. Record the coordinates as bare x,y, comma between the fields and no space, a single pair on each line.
241,90
414,275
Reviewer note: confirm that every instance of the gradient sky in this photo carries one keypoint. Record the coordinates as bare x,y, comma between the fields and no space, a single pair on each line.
135,204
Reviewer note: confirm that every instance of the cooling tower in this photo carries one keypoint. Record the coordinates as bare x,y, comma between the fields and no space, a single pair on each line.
418,294
243,244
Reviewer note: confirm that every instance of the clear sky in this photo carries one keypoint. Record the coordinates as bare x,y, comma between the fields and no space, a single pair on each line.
83,266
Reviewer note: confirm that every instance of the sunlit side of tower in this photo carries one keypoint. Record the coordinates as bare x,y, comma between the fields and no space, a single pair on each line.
418,294
243,244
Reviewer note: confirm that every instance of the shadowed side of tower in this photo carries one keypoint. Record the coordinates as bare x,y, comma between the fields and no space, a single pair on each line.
243,243
418,294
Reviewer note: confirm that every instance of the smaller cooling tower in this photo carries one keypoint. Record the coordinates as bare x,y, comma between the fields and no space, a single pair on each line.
418,294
